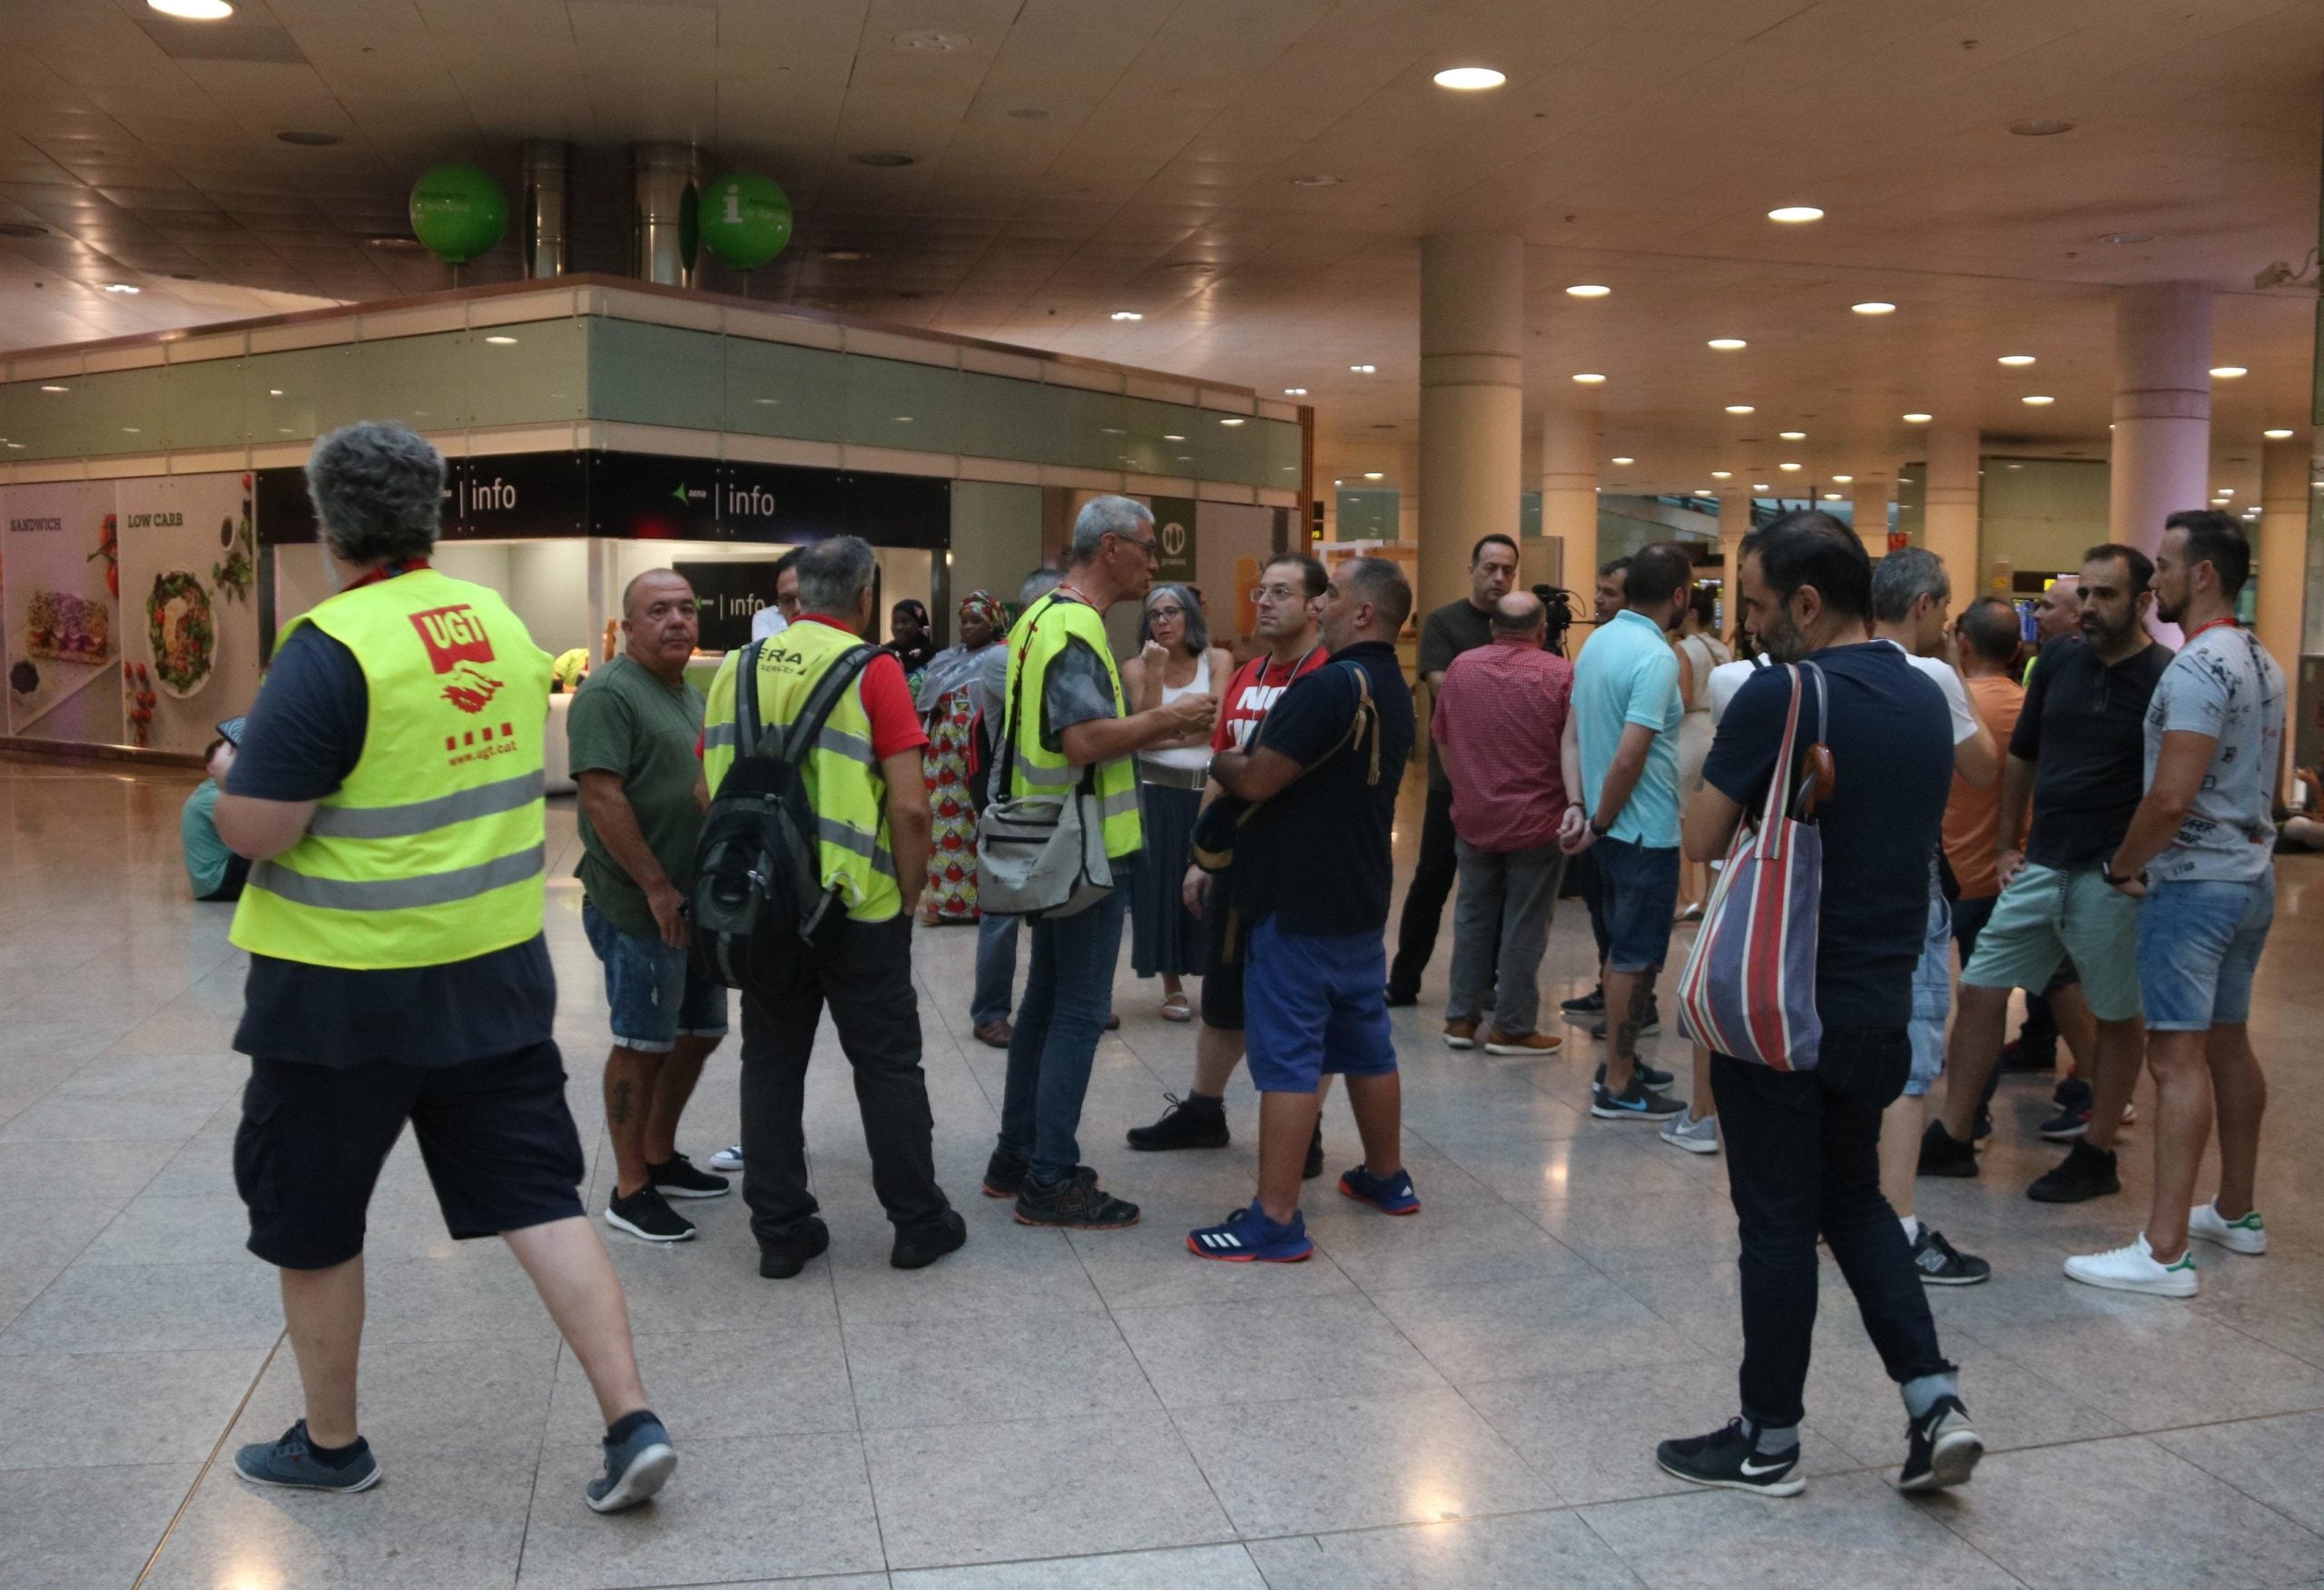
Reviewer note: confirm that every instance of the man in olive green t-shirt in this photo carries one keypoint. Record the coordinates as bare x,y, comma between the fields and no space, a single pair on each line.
635,727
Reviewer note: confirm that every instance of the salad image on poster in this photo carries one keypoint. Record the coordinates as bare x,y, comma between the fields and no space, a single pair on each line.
181,629
189,643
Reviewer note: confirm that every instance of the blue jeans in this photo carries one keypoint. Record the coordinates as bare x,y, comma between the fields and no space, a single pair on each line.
996,969
1069,993
2199,943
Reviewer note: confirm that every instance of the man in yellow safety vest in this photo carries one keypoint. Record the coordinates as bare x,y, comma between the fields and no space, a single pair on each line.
388,794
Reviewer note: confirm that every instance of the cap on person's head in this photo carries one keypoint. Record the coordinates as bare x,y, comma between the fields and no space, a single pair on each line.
230,730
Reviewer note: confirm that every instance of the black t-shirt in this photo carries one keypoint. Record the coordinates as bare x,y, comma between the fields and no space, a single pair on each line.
1445,634
304,736
1316,855
2085,725
1891,739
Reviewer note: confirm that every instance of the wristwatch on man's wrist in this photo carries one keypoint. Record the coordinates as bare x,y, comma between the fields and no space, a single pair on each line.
1600,829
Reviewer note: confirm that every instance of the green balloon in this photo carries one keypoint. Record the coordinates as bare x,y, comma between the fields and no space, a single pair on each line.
745,219
459,210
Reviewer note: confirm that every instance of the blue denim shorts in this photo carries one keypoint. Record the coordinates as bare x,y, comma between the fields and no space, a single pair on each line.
2198,944
657,993
1931,999
1641,885
1314,1003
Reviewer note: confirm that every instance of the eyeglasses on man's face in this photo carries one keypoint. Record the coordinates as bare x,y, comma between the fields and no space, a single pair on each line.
1146,544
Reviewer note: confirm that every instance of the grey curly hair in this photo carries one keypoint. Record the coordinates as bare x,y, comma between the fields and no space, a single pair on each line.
377,488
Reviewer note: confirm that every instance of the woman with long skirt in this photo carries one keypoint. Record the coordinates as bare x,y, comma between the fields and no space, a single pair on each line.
1174,658
947,699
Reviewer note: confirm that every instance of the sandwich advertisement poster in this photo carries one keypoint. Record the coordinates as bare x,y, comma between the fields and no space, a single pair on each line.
60,561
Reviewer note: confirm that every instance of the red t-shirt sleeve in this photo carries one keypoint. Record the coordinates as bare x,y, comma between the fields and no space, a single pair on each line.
895,721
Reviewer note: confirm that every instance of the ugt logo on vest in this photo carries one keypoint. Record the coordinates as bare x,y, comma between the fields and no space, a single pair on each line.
455,644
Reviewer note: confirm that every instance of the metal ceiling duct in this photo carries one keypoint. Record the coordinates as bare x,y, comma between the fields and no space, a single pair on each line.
664,223
545,238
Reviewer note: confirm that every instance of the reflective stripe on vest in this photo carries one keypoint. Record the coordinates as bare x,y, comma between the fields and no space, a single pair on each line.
1037,640
842,776
433,848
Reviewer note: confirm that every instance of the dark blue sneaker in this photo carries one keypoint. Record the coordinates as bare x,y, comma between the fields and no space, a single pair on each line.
1636,1103
292,1462
1391,1195
1651,1075
1247,1237
636,1466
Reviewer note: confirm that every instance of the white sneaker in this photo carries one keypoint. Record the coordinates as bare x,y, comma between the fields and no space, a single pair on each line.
2247,1235
1696,1136
2134,1269
727,1159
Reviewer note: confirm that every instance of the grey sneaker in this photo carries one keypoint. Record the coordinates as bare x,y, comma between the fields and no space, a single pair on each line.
637,1466
1696,1136
290,1462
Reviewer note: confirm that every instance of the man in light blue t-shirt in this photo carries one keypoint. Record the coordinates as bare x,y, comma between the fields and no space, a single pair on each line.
1626,713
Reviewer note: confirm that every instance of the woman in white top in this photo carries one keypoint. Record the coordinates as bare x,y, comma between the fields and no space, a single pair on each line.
1174,658
1700,652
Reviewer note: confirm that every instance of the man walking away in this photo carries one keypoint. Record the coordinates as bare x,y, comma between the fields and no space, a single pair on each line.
1503,725
2202,850
1285,622
1326,767
1066,717
2075,755
1803,1147
994,994
634,727
1627,710
1453,629
862,777
388,794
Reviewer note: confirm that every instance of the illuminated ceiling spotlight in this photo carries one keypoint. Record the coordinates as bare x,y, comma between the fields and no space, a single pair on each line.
1587,290
2228,373
1722,474
1873,306
1363,368
2037,400
1623,460
193,10
1795,214
1726,344
1470,79
1740,409
1126,314
2016,359
1792,435
2277,435
1787,466
1918,418
1294,391
1590,378
1843,480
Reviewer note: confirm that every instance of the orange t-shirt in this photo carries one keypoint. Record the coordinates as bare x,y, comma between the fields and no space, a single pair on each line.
1973,815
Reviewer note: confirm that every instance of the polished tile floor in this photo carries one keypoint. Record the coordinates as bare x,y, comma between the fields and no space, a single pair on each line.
1468,1398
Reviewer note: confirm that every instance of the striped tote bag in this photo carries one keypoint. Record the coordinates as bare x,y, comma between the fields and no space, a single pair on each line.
1748,987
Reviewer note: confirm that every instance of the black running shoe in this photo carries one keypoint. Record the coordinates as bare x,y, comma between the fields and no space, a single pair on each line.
1941,1265
1076,1201
1192,1122
1582,1007
1725,1458
1943,1154
1636,1103
2073,1093
1941,1448
1315,1165
2084,1173
781,1261
677,1177
1653,1076
917,1250
1004,1174
646,1213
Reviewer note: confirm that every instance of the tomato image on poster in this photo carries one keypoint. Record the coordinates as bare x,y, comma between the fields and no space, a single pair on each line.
62,551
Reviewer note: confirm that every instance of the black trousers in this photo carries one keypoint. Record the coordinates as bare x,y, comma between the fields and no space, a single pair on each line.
1432,885
1803,1156
864,974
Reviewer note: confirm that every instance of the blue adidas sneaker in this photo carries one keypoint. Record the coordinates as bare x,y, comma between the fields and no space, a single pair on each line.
1246,1237
1391,1195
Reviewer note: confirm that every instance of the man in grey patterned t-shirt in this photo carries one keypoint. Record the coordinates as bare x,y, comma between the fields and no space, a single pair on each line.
2201,849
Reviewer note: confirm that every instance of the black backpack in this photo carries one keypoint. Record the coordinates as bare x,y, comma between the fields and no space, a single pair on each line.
759,900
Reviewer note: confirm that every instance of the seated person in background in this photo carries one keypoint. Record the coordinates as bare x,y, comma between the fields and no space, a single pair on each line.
215,872
2299,828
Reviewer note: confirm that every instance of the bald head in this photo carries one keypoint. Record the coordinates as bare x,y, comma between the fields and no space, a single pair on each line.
1520,616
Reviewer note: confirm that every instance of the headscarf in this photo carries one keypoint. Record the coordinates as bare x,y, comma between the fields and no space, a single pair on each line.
956,664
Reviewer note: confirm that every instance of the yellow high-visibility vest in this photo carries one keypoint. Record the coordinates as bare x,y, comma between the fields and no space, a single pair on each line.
1034,641
433,849
841,774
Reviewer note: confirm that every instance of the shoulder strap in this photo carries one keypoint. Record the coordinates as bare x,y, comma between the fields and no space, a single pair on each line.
746,700
801,738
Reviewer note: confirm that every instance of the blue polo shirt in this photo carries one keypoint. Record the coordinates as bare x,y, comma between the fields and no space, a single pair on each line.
1626,674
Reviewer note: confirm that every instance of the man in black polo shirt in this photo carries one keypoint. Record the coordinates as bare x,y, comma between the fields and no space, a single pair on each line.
1445,634
1313,875
2079,754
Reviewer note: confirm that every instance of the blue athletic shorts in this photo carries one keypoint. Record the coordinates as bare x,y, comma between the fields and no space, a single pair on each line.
2199,943
1314,1003
658,994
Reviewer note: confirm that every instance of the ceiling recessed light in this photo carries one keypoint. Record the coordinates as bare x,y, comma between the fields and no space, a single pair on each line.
1722,474
1363,369
1316,179
1373,475
274,392
1294,391
1587,290
2277,435
391,241
1793,214
2222,491
1873,306
2228,373
2037,400
1623,460
1470,79
307,138
881,159
1787,465
2125,239
1126,314
1172,435
54,388
1831,497
123,287
1231,420
1918,418
1792,435
1728,345
193,10
1111,431
845,256
1740,409
131,431
502,342
2015,359
1590,378
1843,480
929,41
2041,127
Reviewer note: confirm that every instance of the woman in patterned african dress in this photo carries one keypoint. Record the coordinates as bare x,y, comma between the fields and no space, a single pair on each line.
948,707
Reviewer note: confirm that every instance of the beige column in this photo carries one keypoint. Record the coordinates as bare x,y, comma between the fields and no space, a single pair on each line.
1949,512
1472,402
2282,561
1733,524
2162,457
1869,500
1570,502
